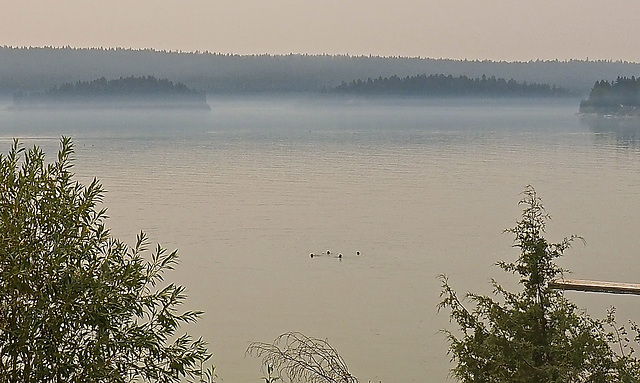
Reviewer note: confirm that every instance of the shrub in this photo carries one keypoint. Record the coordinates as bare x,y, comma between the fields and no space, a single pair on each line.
536,334
77,305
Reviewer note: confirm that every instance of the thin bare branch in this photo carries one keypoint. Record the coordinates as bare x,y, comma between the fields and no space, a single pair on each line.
303,359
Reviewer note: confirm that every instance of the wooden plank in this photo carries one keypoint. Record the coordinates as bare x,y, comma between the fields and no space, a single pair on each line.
595,286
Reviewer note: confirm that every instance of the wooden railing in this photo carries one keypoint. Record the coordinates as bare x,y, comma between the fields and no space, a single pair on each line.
596,286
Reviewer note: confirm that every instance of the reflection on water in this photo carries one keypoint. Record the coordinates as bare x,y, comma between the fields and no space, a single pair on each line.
625,129
249,190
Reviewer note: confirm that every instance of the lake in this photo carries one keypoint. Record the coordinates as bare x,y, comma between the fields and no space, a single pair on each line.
420,188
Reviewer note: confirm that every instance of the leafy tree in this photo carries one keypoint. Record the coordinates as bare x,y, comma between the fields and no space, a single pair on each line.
536,334
77,305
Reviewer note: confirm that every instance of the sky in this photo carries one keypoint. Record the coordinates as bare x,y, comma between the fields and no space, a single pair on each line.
509,30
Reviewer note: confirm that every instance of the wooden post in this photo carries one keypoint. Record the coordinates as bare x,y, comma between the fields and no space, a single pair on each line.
595,286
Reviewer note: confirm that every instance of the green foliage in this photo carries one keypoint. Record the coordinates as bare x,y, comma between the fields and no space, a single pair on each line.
534,335
77,305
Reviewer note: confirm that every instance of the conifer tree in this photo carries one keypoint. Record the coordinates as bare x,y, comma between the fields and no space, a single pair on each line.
536,334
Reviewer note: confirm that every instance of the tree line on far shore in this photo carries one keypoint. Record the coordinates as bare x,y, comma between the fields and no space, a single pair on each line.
619,97
102,89
440,85
36,68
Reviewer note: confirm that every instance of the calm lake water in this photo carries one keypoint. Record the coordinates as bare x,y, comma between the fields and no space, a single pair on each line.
249,190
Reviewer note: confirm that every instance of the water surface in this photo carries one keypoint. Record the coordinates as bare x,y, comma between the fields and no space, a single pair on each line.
419,188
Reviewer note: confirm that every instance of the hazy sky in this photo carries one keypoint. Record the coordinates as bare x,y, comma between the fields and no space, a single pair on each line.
473,29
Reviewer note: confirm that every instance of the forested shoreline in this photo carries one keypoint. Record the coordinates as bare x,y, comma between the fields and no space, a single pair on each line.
619,97
30,69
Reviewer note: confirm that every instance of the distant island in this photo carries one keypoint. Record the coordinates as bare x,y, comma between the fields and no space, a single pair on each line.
440,85
617,98
124,92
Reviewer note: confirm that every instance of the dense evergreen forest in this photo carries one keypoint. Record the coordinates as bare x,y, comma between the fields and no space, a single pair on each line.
41,68
447,86
619,97
121,90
